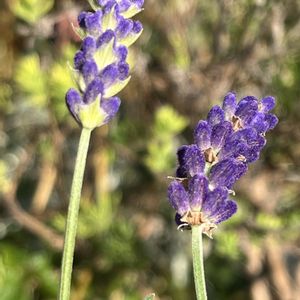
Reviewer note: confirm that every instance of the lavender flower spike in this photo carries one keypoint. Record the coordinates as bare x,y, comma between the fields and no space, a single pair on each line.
224,145
100,67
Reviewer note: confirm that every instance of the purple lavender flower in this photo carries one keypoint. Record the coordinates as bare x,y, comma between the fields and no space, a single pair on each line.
224,144
249,112
198,204
100,67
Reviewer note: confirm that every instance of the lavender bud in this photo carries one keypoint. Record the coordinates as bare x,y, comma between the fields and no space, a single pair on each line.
101,70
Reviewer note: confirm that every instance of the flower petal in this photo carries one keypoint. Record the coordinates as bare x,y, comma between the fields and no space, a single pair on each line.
219,134
229,105
202,135
79,59
93,90
111,107
267,104
88,47
259,123
246,109
215,115
198,187
228,209
178,197
89,71
191,160
214,202
227,172
93,22
73,99
272,121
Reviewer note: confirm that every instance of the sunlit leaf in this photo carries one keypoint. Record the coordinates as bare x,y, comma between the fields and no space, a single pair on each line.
30,10
31,80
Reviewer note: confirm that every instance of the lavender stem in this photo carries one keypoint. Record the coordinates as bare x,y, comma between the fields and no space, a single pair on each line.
72,219
197,252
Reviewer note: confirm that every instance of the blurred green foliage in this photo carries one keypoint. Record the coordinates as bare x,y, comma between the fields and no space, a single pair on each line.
20,272
45,88
5,97
94,218
167,124
190,54
150,297
31,10
32,81
60,80
227,244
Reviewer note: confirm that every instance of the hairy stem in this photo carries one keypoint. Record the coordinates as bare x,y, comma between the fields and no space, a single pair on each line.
72,219
197,252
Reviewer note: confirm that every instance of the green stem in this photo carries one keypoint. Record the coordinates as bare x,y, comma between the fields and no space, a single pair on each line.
72,219
197,251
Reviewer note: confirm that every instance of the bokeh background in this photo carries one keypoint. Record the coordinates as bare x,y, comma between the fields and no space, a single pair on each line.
189,55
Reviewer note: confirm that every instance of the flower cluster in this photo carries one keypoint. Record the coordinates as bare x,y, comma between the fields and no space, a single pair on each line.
100,67
224,144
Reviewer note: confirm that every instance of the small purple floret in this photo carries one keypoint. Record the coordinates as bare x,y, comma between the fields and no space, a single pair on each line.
137,27
111,107
124,28
215,115
191,161
198,188
202,135
93,90
72,99
89,71
178,197
105,38
79,59
93,22
88,47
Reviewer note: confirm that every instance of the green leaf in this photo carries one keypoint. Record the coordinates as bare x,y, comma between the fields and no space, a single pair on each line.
161,155
60,81
161,146
168,121
268,221
21,273
31,80
94,218
228,244
30,10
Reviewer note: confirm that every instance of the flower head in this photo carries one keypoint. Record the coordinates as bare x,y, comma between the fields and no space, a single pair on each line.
224,144
100,67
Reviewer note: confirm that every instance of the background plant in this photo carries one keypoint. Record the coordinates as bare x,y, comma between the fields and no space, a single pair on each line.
189,55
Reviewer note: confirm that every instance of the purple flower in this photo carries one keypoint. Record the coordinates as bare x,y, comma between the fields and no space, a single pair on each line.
224,144
211,138
197,204
226,172
249,112
101,70
191,161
